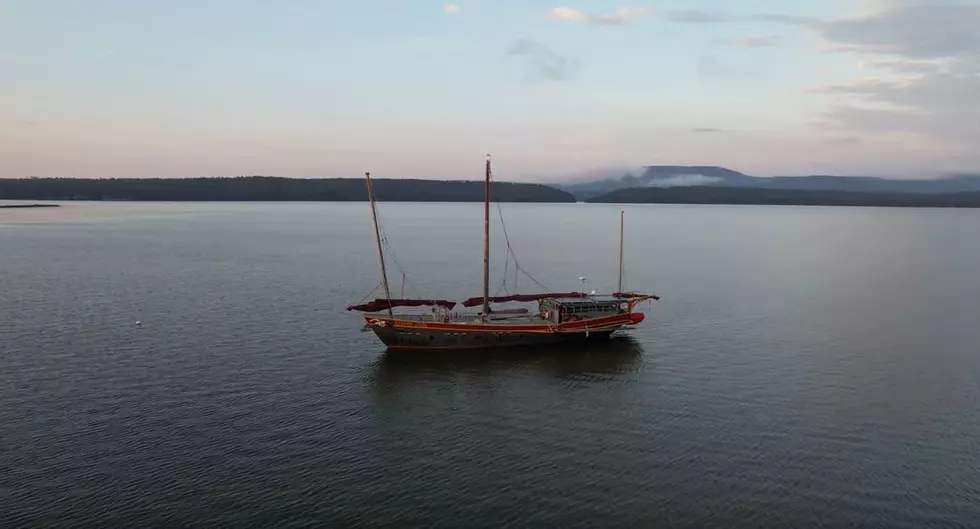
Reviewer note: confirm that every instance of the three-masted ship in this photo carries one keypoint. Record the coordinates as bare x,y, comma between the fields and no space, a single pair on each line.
560,317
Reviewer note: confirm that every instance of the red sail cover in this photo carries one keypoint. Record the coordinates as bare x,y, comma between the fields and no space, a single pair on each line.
629,295
383,304
473,302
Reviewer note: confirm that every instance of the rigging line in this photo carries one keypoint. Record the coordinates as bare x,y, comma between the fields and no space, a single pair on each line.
503,226
535,281
501,289
391,255
510,249
409,285
391,251
394,260
412,288
369,294
503,276
517,264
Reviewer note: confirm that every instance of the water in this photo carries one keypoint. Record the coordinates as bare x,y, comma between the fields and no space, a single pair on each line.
806,366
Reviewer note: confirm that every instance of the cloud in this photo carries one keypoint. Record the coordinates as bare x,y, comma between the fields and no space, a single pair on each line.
694,16
906,66
568,13
625,14
926,66
706,130
452,9
858,86
758,41
543,61
785,19
941,105
620,17
919,32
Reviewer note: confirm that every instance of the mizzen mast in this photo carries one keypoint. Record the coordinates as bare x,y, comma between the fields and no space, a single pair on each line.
486,241
620,287
377,239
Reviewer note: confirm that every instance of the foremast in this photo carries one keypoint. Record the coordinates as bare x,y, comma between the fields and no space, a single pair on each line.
377,239
619,287
486,241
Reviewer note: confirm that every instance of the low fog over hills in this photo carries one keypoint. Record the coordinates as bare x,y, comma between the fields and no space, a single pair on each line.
667,176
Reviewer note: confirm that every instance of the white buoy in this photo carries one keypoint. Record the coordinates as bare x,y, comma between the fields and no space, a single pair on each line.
139,323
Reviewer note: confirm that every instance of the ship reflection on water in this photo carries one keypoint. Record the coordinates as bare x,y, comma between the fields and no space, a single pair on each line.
599,360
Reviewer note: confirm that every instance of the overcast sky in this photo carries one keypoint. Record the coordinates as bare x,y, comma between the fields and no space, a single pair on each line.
427,88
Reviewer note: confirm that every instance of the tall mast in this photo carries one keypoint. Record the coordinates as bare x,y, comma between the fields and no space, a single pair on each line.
620,287
377,239
486,241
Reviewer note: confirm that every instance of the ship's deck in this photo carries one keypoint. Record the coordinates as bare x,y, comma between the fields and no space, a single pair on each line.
475,318
463,317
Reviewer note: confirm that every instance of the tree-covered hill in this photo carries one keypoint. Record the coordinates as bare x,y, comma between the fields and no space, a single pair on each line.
265,188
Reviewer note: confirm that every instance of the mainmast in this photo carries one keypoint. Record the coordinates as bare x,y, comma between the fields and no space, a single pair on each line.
377,238
486,242
620,287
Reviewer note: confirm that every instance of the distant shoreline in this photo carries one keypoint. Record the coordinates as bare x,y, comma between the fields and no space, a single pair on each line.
907,202
743,196
272,189
275,189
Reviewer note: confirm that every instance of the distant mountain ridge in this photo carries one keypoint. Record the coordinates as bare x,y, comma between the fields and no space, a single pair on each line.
785,197
669,176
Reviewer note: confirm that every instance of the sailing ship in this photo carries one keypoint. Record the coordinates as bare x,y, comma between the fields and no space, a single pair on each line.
560,317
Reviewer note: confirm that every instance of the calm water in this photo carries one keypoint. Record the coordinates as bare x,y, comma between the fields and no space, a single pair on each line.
806,367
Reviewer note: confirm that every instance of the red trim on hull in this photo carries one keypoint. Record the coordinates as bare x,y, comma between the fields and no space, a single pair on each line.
594,324
439,348
566,338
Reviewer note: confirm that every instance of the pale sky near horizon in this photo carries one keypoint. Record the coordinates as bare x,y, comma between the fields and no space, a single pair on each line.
125,88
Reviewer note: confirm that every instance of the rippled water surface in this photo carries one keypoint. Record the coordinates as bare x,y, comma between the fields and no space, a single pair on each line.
806,367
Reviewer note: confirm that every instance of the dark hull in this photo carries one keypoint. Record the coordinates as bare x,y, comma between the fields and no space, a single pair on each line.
443,340
401,334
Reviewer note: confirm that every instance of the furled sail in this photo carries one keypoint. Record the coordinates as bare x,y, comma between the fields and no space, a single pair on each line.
473,302
384,304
